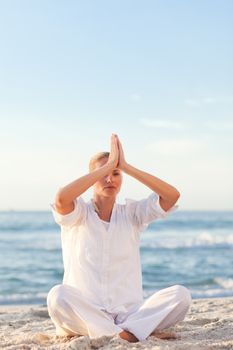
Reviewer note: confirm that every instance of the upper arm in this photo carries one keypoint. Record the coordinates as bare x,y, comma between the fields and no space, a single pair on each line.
67,216
145,211
64,209
165,205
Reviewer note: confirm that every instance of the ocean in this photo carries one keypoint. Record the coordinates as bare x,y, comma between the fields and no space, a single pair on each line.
192,248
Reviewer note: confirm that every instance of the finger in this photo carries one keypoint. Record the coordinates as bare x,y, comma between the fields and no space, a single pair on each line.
115,150
116,142
113,137
120,145
113,140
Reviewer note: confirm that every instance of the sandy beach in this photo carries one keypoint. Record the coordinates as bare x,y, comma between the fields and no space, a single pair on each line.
208,325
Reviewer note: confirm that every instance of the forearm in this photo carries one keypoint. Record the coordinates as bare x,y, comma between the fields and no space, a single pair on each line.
162,188
73,190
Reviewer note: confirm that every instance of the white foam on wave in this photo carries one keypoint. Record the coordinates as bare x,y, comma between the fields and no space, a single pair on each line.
226,283
172,241
223,287
23,296
211,293
197,293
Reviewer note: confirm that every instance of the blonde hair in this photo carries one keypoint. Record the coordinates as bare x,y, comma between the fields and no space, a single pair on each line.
96,158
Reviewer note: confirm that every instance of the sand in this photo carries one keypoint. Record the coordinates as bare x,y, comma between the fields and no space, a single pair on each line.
208,325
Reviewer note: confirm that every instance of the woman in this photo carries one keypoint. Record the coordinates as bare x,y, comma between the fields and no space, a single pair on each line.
101,293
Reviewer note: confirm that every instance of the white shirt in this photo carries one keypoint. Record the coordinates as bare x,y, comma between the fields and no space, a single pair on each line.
104,264
106,224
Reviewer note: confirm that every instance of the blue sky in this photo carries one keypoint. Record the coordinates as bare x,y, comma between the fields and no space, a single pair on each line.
157,73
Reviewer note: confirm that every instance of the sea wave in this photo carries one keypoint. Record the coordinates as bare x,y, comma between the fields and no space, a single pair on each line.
23,298
225,283
204,239
211,293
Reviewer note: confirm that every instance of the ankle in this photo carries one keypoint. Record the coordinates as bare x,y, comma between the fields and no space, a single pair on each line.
130,337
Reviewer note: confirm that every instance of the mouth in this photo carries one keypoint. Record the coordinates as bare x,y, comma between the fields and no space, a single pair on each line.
109,187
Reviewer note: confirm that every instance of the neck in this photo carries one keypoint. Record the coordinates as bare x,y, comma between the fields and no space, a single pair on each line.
103,204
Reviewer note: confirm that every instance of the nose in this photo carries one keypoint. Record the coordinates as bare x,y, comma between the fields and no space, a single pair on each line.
109,178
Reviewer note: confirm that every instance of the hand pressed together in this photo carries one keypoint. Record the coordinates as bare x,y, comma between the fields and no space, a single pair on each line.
117,157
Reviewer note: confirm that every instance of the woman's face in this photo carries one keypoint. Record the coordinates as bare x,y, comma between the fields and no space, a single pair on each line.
110,184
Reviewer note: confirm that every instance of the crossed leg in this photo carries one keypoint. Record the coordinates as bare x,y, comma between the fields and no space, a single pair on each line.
162,310
72,314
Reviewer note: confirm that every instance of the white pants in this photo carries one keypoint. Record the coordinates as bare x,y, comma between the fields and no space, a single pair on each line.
72,314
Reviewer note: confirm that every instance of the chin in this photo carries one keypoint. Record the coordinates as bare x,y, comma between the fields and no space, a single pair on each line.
109,194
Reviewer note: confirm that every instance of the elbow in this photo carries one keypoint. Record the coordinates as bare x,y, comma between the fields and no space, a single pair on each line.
173,198
176,195
59,199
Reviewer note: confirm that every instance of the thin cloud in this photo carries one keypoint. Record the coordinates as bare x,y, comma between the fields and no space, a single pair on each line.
162,124
209,100
175,147
135,97
220,126
196,102
192,102
208,126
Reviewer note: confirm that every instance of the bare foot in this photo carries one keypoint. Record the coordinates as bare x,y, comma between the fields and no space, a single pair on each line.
128,336
165,335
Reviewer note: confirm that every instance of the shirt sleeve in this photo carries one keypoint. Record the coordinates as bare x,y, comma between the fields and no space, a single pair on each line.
77,216
145,211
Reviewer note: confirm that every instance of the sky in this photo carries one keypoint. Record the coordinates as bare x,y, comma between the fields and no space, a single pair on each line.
157,73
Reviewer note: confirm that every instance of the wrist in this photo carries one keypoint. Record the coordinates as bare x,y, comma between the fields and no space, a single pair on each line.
125,167
109,165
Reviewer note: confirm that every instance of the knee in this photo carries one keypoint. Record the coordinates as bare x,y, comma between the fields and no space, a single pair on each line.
55,296
183,295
